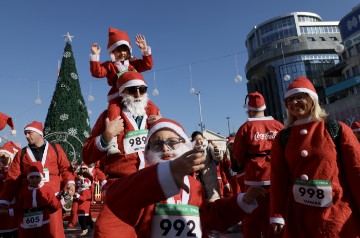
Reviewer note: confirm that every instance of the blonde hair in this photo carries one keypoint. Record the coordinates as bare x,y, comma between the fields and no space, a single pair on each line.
317,112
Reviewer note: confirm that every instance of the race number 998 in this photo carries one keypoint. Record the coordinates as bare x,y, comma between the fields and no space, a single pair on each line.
319,193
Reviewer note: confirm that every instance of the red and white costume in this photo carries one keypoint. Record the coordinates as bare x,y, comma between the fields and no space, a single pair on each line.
310,155
115,166
136,208
43,200
252,147
35,204
56,165
110,69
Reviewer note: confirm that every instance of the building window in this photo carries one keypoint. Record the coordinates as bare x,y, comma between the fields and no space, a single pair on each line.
355,70
322,38
295,41
352,52
310,39
333,38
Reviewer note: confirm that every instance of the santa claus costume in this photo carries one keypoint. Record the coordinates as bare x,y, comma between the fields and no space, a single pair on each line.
55,164
83,198
252,148
314,188
128,161
151,193
112,69
34,206
8,224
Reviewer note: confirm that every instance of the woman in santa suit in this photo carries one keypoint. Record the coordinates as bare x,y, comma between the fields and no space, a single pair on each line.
162,201
315,191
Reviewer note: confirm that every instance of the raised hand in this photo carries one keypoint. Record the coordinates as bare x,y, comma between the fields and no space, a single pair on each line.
95,49
141,42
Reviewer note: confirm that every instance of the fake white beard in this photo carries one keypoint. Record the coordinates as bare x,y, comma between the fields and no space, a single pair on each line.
152,158
136,106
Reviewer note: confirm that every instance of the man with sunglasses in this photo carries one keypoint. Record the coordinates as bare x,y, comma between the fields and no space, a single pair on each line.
164,200
251,149
130,129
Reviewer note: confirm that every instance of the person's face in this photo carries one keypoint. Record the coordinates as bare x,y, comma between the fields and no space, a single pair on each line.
165,143
33,138
299,105
121,53
199,140
34,181
4,159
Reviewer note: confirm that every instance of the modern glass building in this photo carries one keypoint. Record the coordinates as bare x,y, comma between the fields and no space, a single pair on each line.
343,80
286,47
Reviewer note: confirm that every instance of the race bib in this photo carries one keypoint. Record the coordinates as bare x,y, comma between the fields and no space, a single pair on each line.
32,219
316,193
46,175
134,141
175,220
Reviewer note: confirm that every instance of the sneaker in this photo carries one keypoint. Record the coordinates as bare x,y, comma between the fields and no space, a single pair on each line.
84,232
112,148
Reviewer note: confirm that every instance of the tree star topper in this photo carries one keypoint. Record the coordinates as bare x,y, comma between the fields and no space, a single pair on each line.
68,37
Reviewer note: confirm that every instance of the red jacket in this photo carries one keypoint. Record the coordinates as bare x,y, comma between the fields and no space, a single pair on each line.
84,202
253,138
132,199
58,165
117,165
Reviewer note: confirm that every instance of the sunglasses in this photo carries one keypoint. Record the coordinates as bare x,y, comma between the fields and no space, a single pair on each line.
297,97
134,90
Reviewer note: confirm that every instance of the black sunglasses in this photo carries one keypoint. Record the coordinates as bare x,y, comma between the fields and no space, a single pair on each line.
133,90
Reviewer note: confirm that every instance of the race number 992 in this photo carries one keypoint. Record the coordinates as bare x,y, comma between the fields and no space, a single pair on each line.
179,225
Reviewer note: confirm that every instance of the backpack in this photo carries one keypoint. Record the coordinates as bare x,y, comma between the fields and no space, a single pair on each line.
332,126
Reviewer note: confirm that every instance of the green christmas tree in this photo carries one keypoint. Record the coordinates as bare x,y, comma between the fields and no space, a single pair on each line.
67,122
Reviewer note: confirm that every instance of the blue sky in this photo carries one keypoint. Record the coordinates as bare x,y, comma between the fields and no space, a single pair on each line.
203,34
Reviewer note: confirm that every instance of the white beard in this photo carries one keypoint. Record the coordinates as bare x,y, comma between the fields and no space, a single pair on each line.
155,157
136,106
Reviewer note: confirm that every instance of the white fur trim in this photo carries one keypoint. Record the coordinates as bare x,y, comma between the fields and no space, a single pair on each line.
118,43
103,183
113,96
33,129
35,174
166,180
146,52
4,202
257,109
131,83
356,130
261,118
300,90
254,183
95,58
8,153
278,220
248,208
70,182
11,212
170,125
98,144
13,132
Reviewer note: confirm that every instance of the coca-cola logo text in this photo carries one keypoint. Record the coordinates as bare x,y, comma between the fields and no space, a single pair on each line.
270,135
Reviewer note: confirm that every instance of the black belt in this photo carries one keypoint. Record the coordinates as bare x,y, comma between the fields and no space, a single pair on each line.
34,209
256,155
111,176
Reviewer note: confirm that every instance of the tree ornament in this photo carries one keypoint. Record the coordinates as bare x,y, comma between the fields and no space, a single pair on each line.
192,90
155,92
339,48
238,79
287,77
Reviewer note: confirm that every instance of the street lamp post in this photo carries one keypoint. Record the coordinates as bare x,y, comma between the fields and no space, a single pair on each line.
198,93
228,119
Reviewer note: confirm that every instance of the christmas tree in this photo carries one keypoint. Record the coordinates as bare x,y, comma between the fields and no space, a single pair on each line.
67,122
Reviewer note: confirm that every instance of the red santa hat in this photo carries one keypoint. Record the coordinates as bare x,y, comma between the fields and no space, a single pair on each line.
355,126
86,183
169,124
130,79
8,148
301,85
117,38
6,120
83,165
229,140
35,169
256,102
35,126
